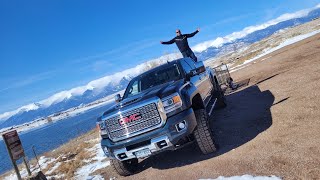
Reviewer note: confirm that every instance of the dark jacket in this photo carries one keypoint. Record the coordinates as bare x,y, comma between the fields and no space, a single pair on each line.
181,41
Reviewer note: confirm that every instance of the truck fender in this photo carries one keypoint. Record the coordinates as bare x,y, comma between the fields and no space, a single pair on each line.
192,96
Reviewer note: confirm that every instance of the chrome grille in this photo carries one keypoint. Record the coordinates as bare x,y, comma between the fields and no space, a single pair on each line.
150,119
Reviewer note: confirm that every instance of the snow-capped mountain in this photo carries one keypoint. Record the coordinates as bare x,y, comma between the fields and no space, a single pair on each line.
110,84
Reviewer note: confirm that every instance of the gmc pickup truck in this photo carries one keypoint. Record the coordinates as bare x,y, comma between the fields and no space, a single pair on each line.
162,109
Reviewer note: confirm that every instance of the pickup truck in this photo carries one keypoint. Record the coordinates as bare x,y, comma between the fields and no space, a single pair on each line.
162,109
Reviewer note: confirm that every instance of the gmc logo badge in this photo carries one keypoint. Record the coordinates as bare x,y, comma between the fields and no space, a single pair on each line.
129,119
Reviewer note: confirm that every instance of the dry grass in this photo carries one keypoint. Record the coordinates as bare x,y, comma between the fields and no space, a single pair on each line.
80,142
250,55
72,155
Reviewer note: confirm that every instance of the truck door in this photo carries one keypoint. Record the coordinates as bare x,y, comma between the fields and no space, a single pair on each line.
205,85
198,80
188,67
206,82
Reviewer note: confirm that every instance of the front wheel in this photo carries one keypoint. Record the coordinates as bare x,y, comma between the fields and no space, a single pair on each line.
124,168
203,134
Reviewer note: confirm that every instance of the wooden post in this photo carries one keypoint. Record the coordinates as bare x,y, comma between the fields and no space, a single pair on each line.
27,166
35,155
16,169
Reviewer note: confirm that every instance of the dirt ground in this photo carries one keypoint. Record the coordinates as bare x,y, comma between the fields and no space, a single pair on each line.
271,125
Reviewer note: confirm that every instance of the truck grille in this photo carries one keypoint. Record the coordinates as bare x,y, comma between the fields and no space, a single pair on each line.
133,122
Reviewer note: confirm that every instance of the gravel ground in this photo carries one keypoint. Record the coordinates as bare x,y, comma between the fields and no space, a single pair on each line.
270,127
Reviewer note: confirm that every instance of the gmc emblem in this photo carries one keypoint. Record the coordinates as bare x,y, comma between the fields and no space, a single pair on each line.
129,119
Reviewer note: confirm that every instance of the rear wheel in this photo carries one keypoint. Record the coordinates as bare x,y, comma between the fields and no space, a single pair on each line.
203,134
124,168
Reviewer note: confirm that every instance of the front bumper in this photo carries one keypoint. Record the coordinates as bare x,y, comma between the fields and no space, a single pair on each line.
164,138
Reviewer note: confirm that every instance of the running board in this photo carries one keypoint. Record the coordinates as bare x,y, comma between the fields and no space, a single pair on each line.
210,107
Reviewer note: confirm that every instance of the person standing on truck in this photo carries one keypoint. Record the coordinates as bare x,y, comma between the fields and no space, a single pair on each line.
182,43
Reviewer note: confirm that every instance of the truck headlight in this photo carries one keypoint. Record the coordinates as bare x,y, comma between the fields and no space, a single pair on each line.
102,127
172,102
106,151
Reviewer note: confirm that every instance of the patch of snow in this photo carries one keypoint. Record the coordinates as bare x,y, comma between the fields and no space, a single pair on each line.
10,177
60,176
283,44
54,168
43,161
236,68
263,59
246,177
99,162
95,177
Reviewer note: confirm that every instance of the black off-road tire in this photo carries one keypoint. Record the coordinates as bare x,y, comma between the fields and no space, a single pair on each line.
203,134
125,168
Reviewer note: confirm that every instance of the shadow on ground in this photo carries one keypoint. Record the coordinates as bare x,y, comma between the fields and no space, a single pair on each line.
247,115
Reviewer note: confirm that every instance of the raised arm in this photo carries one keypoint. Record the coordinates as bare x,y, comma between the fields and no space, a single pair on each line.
168,42
192,34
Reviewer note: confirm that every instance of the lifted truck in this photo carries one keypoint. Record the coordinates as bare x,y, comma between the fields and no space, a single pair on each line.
162,109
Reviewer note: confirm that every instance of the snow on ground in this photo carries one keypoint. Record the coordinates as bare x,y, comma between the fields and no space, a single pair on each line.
246,177
236,68
283,44
43,161
98,162
55,167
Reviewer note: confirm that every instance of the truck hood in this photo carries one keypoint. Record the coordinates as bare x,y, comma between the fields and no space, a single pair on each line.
159,91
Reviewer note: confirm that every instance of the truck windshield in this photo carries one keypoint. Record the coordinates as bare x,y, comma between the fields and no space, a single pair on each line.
153,78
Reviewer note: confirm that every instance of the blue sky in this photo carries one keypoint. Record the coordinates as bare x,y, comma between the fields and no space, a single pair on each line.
50,46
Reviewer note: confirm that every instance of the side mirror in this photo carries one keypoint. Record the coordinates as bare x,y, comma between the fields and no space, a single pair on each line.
117,98
189,75
200,67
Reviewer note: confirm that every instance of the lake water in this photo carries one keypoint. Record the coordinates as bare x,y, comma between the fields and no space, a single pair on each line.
53,135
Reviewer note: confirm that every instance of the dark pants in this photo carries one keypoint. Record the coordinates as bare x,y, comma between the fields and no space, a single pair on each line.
190,54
